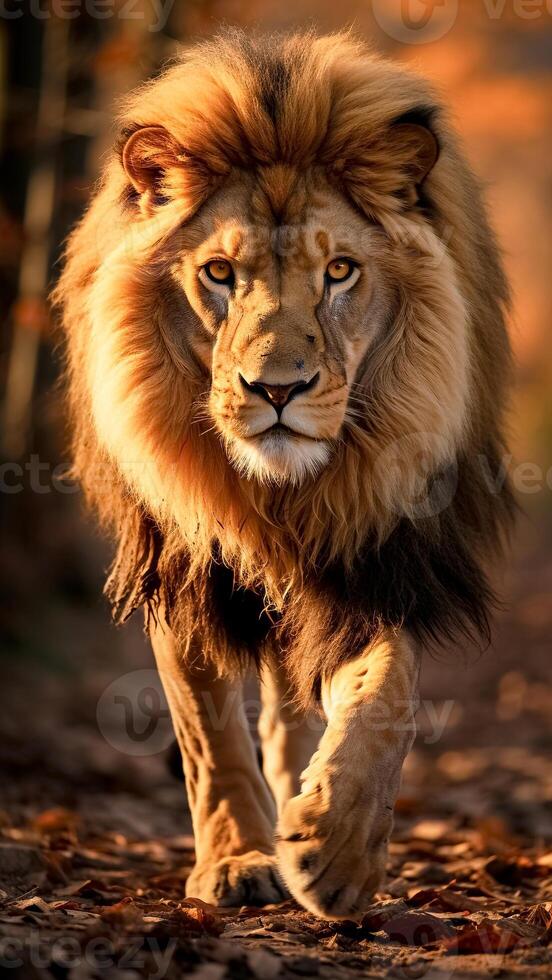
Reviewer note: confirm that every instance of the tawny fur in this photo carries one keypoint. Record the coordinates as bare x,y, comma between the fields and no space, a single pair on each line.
345,553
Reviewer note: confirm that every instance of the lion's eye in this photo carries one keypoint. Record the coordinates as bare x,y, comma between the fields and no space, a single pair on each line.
220,271
339,270
340,276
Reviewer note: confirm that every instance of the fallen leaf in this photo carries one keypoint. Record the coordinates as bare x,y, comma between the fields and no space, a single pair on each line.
55,820
531,931
100,892
207,921
89,858
431,830
397,888
377,915
76,888
541,917
539,914
34,904
449,900
123,913
428,872
417,929
183,922
511,870
482,938
198,903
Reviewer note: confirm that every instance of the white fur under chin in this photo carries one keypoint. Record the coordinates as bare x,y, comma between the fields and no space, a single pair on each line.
277,458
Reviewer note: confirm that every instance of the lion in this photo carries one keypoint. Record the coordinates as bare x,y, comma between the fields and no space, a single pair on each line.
288,365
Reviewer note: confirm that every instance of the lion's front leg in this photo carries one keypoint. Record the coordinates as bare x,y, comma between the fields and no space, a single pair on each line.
333,836
232,811
288,735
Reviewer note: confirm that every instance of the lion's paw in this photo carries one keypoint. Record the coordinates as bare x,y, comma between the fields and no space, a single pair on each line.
243,879
332,852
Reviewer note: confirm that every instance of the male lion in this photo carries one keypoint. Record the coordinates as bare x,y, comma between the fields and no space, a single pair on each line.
287,364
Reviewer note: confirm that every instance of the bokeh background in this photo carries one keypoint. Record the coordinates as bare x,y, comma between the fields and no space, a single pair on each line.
62,69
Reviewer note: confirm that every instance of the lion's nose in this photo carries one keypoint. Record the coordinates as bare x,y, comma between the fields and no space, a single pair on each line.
279,395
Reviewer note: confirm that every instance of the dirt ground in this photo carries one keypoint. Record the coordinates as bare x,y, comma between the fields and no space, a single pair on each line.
95,836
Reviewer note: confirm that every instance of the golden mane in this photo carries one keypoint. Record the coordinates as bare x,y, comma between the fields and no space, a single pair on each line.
164,485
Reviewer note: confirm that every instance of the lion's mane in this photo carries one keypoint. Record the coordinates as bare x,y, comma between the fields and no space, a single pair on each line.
315,570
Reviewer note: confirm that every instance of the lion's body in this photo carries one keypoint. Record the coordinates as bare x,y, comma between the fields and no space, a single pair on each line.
308,547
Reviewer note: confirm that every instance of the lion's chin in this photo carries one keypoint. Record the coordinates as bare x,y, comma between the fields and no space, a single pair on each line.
278,456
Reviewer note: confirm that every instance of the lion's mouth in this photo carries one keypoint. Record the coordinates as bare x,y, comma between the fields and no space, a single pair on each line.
278,429
281,431
278,454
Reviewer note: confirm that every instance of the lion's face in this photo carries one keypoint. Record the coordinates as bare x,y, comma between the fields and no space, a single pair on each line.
287,305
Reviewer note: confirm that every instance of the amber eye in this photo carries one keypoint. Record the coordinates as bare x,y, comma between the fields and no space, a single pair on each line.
339,270
219,270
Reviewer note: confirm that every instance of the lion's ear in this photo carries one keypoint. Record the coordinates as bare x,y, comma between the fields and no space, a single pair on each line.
417,146
147,155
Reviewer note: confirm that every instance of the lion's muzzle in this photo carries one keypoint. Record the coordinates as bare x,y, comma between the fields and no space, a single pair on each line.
275,398
279,395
